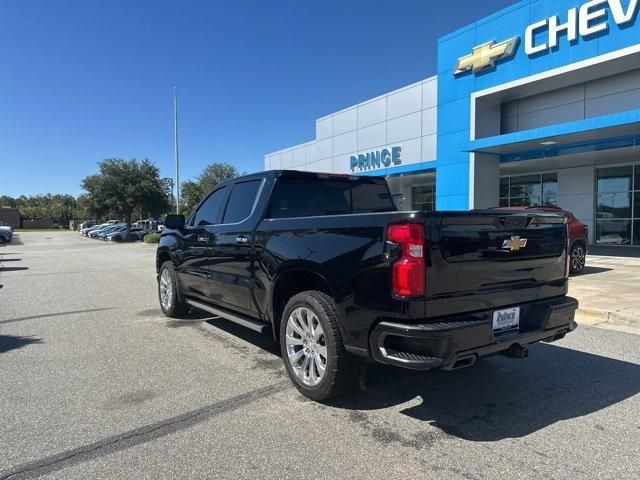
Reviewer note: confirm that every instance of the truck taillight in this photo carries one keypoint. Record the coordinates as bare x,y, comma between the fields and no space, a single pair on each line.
408,271
567,269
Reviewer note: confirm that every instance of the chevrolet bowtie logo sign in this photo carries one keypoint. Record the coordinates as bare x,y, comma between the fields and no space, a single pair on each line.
515,244
486,55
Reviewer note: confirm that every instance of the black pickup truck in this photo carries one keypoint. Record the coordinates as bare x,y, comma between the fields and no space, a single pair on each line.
329,265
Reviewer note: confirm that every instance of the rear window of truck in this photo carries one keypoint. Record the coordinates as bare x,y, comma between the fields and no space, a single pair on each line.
313,197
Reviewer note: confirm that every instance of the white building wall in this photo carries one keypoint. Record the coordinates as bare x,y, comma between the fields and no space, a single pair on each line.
345,121
406,117
372,112
296,158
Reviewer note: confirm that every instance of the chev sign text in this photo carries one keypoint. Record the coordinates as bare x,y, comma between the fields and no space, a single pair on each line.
377,159
591,18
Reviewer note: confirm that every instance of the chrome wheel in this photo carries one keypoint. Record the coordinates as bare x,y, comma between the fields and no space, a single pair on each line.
166,289
578,259
306,346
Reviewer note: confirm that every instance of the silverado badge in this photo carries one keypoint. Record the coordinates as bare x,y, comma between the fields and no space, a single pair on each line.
515,244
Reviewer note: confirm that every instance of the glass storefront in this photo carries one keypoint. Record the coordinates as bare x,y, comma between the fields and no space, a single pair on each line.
618,205
529,190
424,197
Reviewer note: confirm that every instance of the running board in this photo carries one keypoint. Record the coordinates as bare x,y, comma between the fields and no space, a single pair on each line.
254,325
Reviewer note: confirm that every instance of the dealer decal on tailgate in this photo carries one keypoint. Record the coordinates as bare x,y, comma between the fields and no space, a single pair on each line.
508,319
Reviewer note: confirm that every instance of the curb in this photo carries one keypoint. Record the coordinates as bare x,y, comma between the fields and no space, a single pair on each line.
593,316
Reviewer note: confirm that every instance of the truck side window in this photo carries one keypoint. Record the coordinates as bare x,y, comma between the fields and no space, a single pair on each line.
296,198
209,211
243,197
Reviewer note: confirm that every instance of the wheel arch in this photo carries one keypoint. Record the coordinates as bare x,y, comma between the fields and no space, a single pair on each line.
291,281
162,255
580,241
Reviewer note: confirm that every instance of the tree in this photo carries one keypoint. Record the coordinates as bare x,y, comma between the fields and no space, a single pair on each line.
167,185
57,207
123,187
84,209
7,201
192,191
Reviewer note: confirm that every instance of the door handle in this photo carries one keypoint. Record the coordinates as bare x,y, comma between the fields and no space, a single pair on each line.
242,239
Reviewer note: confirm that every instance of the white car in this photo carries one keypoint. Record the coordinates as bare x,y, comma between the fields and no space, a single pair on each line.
85,225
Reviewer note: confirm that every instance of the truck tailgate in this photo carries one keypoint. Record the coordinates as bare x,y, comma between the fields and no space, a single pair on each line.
483,260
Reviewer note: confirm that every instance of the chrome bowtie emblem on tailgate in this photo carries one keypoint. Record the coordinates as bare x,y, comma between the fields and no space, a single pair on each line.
515,244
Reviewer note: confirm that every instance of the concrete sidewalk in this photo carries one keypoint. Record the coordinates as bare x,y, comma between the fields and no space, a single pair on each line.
608,291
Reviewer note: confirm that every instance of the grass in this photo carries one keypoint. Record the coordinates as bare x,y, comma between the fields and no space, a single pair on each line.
151,238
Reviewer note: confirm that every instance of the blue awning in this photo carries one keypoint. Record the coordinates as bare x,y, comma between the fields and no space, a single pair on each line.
592,134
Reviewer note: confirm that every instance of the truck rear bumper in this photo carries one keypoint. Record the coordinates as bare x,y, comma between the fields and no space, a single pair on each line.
453,343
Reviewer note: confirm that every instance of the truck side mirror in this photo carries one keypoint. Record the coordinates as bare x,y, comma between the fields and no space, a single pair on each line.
174,221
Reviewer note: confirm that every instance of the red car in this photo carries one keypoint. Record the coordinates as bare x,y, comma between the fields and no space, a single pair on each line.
578,235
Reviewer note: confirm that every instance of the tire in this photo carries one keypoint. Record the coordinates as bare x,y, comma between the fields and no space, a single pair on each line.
305,369
3,240
172,304
578,258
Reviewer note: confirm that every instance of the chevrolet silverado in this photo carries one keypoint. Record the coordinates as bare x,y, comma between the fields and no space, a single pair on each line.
335,272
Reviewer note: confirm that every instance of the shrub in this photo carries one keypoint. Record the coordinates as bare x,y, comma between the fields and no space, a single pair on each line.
151,238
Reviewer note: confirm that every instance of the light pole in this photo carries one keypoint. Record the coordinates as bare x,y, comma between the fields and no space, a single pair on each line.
175,134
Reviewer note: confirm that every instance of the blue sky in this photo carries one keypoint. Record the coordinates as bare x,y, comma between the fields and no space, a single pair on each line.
81,81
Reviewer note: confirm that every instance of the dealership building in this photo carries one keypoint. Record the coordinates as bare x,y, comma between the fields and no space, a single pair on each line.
538,104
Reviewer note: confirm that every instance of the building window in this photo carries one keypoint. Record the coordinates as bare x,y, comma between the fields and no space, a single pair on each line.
424,198
529,190
618,205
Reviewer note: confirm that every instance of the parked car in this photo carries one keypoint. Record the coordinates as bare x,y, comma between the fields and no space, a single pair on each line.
578,235
134,234
86,231
92,233
112,229
138,233
335,272
6,234
148,224
86,224
109,228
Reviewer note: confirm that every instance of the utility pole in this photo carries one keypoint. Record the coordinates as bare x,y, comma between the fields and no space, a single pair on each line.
175,128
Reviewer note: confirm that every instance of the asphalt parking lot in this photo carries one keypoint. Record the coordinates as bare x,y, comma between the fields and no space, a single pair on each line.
96,383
